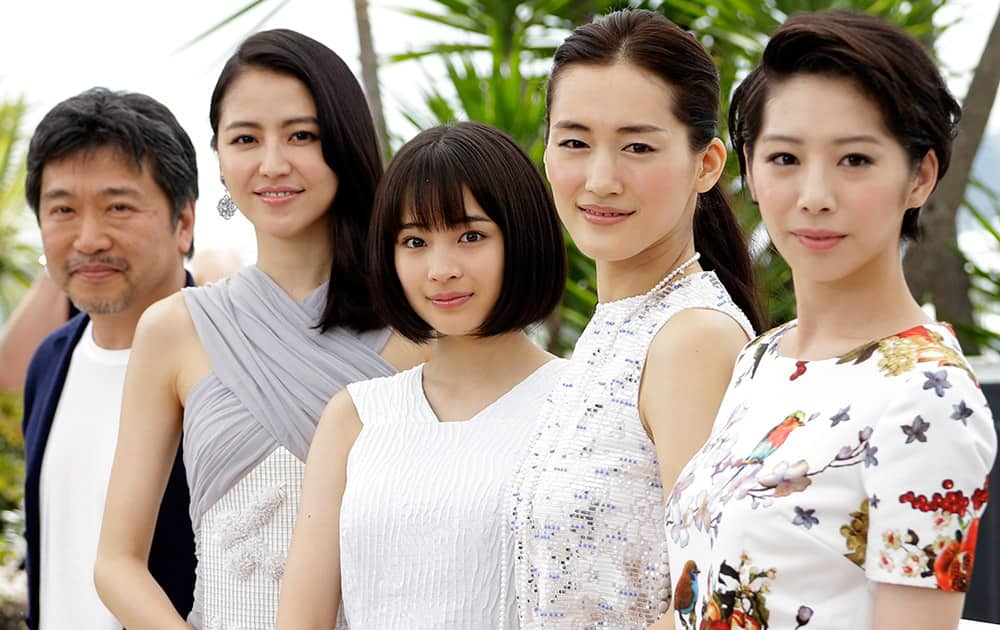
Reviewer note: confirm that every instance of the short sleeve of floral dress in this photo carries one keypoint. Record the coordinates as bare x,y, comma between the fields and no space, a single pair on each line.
822,477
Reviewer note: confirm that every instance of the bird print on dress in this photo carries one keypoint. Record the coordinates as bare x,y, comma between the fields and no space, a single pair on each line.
686,594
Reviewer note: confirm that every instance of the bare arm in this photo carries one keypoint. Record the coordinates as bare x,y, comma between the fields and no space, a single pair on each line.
42,310
687,372
915,608
310,589
147,444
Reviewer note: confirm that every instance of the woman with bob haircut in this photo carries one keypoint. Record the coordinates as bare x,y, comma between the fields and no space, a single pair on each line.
401,506
634,163
846,473
245,366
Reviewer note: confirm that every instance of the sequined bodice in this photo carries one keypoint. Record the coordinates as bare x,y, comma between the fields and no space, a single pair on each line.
587,502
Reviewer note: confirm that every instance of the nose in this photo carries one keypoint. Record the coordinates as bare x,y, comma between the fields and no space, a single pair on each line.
443,265
274,162
816,194
602,175
92,234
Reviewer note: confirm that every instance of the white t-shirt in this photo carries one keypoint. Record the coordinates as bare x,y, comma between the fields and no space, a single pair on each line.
74,484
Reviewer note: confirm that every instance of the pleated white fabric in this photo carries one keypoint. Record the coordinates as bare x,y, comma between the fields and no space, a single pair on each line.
421,522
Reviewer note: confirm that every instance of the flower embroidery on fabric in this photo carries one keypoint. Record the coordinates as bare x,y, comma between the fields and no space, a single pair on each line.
856,534
241,540
900,353
840,416
917,430
739,599
805,517
949,557
938,381
961,413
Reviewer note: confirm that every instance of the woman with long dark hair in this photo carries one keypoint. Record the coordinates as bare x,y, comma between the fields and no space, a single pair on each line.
245,366
634,163
846,473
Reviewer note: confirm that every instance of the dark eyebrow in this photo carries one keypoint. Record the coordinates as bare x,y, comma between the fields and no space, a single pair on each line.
778,137
110,191
423,226
119,191
636,128
298,120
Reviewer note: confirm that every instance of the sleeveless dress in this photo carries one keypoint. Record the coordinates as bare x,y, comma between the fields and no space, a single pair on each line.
247,429
587,505
421,523
824,478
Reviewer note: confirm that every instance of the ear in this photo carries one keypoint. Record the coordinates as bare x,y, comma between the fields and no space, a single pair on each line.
923,182
713,161
748,178
184,232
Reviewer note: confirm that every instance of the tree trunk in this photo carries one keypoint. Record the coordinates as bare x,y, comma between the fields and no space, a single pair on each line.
369,72
934,268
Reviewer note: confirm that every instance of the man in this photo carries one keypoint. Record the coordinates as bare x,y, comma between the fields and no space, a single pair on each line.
112,180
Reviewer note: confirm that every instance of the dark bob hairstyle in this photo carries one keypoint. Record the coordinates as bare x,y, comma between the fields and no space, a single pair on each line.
428,178
888,65
652,43
138,126
350,148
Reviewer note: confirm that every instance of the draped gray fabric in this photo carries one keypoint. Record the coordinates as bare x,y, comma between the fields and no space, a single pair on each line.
272,375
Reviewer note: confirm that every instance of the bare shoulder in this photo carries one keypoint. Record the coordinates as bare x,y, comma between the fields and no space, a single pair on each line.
403,354
698,335
339,424
167,336
165,325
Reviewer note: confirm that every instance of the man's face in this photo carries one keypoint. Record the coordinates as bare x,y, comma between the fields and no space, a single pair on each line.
107,232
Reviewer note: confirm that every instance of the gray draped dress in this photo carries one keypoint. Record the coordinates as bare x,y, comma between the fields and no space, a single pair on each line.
247,429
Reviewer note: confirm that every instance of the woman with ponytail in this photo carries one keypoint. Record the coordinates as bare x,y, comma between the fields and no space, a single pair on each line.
634,163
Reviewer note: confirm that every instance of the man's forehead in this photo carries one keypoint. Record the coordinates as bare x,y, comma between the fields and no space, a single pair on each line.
99,167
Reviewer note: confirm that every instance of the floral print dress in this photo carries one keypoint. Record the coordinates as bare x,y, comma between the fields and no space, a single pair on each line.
822,478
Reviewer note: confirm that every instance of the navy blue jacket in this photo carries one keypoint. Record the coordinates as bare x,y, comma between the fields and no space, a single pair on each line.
171,557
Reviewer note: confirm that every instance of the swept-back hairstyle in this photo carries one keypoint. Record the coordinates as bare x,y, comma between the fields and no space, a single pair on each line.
656,45
892,68
141,128
350,148
426,182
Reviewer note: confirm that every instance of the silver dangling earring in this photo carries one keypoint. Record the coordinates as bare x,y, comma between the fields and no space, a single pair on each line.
226,206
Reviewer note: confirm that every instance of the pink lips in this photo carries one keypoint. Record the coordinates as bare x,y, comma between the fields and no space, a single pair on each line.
818,240
449,300
277,195
603,215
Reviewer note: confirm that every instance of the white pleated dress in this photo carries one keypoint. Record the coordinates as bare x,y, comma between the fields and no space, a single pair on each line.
421,524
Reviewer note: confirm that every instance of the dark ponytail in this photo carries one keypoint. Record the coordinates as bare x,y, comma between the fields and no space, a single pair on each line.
718,236
655,44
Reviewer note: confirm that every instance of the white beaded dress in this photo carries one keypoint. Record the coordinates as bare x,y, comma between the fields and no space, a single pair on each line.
421,523
587,505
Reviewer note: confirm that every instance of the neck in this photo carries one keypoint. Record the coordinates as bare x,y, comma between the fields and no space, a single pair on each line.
299,265
115,331
464,359
637,275
836,317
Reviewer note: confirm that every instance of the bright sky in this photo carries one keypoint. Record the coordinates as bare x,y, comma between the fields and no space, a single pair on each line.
53,49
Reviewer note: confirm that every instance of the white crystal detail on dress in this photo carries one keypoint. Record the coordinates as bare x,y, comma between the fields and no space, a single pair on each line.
239,536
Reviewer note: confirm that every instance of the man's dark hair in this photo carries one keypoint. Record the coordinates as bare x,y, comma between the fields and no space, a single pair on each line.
350,149
889,66
428,178
138,126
